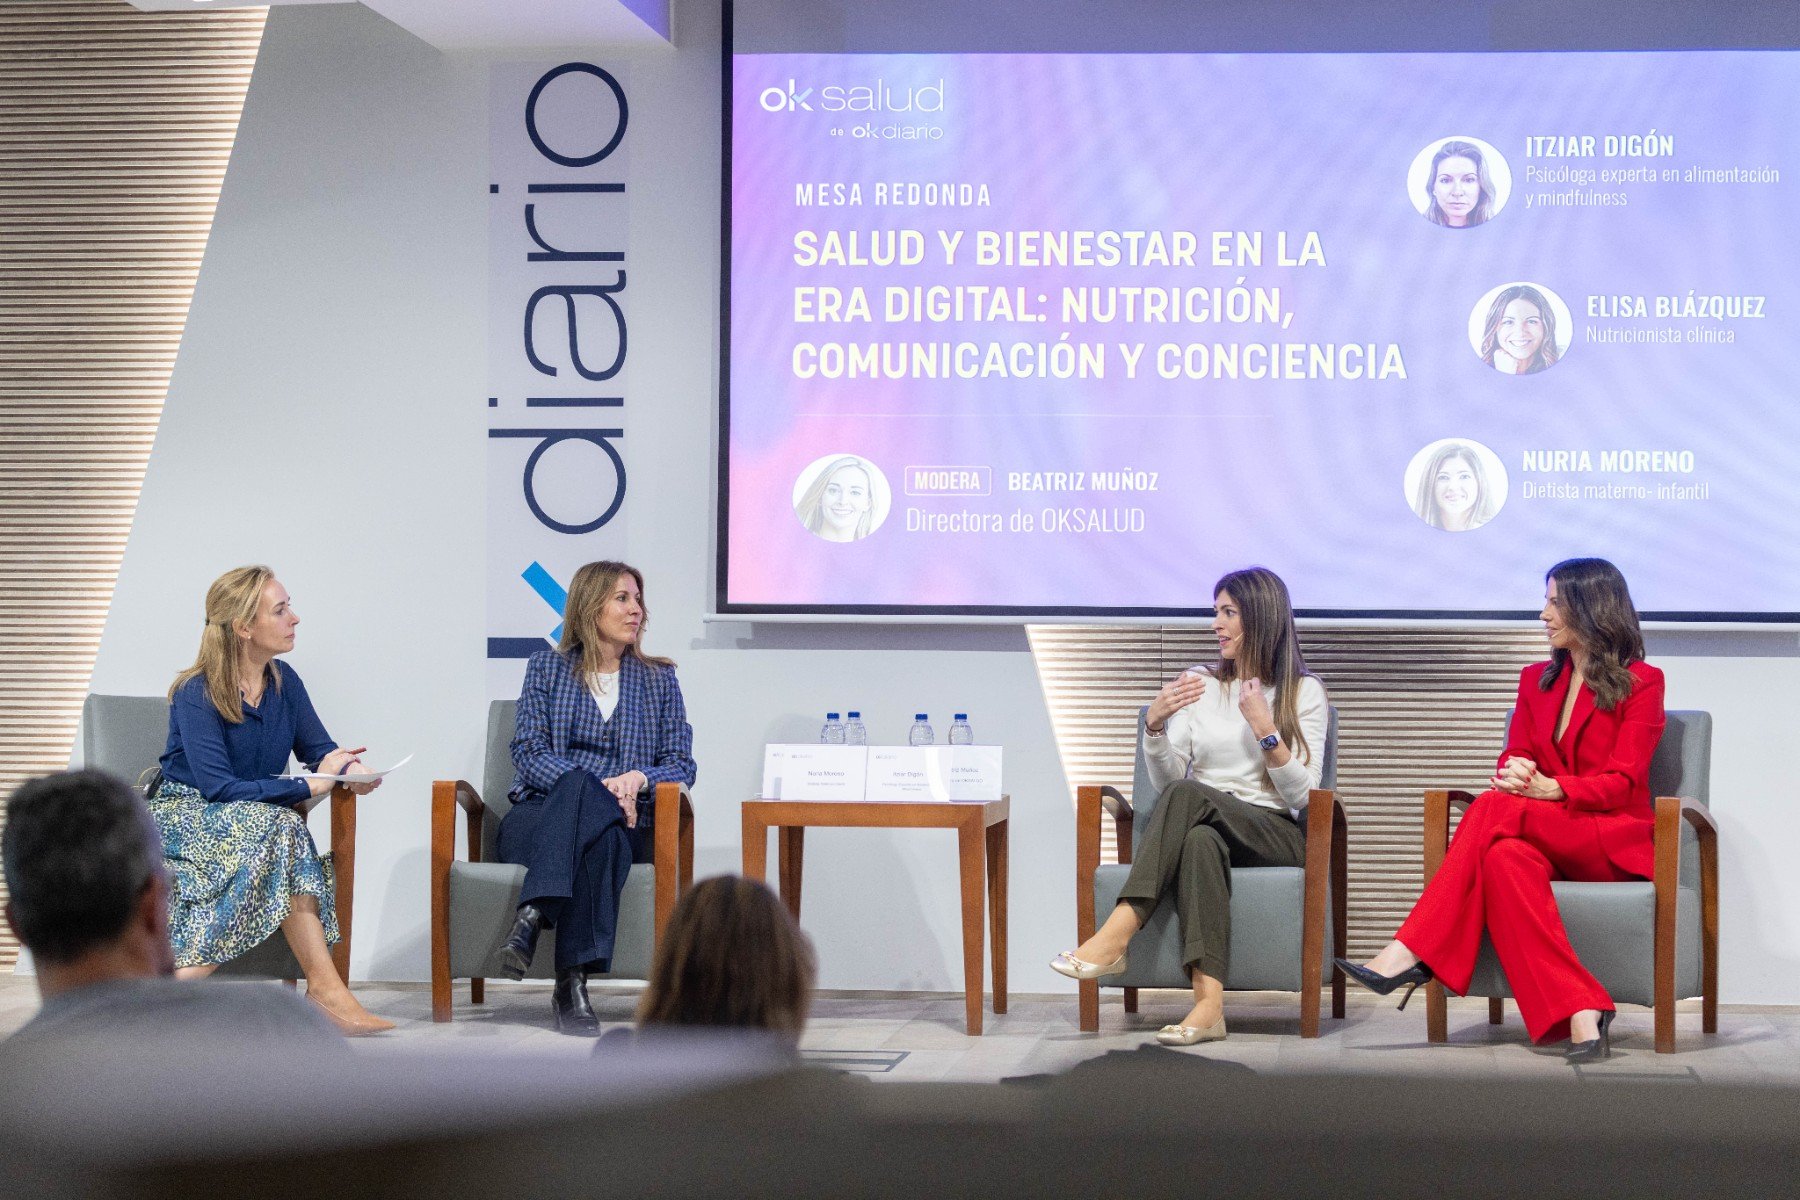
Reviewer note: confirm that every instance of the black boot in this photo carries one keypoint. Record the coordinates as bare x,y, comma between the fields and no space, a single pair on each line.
516,952
574,1015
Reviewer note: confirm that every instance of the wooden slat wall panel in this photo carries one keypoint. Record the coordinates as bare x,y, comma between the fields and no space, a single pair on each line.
1417,709
115,130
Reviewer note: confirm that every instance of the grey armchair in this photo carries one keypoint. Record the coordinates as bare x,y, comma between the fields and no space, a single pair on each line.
1646,941
1281,917
126,735
473,901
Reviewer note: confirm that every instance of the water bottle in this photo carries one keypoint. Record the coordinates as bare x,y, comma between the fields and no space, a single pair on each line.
960,733
854,733
921,732
833,732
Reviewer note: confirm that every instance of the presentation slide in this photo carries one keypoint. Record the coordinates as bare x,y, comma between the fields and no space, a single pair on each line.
1045,334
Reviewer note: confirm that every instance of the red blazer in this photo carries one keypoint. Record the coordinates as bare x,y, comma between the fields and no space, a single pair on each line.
1602,762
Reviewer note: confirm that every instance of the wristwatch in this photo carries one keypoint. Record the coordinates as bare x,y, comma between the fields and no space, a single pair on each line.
1270,742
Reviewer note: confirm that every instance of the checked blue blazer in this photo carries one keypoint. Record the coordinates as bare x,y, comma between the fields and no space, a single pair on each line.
649,730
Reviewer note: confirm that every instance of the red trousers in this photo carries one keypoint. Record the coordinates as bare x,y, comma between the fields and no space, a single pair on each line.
1496,876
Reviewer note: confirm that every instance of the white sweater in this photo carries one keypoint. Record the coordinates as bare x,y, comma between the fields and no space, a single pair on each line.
1210,742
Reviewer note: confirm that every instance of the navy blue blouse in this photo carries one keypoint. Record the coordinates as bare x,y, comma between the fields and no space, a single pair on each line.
239,762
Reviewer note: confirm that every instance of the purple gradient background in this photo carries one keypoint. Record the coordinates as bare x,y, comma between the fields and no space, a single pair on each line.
1303,476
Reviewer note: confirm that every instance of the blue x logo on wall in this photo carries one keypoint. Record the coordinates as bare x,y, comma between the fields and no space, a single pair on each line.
553,594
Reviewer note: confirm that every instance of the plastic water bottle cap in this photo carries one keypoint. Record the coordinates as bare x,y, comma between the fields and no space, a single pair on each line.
834,716
918,716
962,716
855,716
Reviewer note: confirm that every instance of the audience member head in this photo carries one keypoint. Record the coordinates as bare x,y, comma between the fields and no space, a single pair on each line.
248,617
1453,490
84,876
1588,609
606,605
1257,640
1458,191
1520,323
731,957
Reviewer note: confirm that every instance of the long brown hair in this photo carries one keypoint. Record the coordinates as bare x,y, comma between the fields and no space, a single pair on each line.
731,956
1597,606
1270,647
1547,353
588,592
232,600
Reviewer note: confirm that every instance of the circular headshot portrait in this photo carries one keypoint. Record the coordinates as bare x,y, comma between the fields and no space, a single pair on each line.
1455,485
842,498
1459,182
1521,328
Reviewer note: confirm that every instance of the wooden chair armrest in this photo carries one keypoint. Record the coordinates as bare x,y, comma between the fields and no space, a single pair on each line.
1667,841
1700,817
1438,803
672,836
1113,802
1324,813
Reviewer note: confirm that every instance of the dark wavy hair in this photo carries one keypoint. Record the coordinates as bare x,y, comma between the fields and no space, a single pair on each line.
1547,354
1270,650
1594,601
731,957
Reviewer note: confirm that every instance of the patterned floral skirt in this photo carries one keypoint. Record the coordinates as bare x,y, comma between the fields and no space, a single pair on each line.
234,869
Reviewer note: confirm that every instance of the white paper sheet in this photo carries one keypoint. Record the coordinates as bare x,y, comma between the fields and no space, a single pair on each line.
367,777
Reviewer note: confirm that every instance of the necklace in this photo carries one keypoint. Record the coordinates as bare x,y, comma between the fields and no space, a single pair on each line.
604,683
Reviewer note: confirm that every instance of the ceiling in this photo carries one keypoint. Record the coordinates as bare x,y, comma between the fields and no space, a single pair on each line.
498,24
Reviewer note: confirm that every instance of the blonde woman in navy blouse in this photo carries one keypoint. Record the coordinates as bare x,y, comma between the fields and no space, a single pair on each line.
599,724
241,860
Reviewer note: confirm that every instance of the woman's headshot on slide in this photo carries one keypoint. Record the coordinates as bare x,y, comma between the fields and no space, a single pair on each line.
1459,183
841,498
1456,485
1521,329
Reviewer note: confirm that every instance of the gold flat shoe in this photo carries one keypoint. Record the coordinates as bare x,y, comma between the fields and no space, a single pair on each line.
1187,1035
1067,964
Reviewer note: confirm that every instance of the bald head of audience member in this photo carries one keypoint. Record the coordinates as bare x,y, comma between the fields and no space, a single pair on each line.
86,891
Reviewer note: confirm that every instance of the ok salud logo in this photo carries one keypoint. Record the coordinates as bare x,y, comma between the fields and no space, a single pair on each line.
879,96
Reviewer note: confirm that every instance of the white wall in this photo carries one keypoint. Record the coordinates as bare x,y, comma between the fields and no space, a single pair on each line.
326,417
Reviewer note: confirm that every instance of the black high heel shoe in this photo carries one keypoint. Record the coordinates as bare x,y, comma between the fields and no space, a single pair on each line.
1382,985
1598,1048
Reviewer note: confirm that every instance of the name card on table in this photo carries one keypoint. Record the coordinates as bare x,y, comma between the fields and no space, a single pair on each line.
814,772
934,773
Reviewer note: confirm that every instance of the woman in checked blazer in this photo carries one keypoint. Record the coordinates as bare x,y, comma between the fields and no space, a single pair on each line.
600,723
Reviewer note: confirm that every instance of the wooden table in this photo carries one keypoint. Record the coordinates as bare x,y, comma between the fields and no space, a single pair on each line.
981,829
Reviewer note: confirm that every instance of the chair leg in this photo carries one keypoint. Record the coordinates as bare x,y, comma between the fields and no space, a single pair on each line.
477,991
1130,999
1496,1011
1090,1006
440,988
1437,1013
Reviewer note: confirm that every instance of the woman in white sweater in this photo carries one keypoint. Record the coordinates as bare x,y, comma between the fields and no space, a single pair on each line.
1233,751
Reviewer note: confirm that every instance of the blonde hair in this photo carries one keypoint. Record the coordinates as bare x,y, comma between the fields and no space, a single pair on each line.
811,506
588,593
231,601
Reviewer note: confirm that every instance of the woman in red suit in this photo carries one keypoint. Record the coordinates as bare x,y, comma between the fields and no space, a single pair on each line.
1570,799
